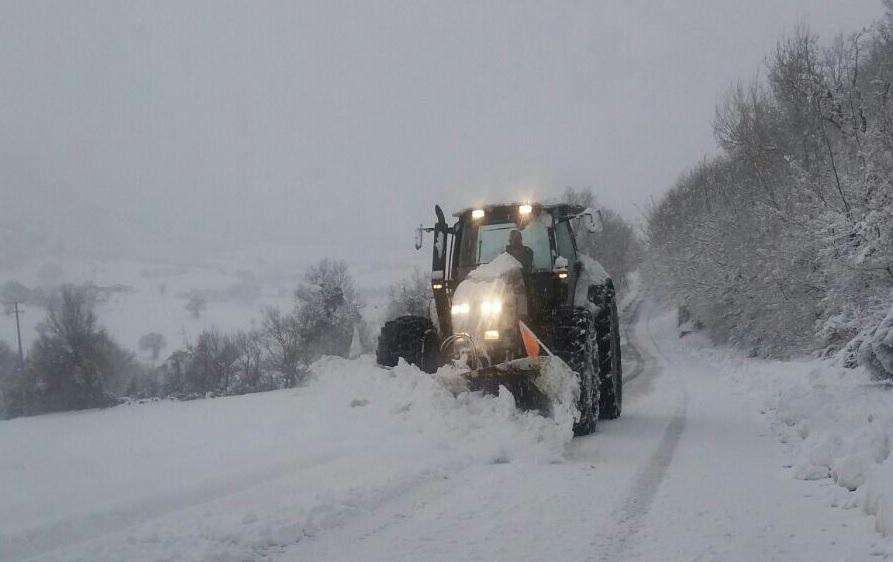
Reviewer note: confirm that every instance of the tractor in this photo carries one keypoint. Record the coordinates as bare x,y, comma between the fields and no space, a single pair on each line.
508,281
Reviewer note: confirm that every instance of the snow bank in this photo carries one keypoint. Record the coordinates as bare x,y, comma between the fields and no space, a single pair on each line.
837,422
472,425
237,478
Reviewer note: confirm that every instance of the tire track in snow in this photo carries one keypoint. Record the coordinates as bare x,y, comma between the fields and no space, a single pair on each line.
626,519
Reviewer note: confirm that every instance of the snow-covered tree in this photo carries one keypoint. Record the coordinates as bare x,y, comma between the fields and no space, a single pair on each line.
284,349
74,362
617,246
410,296
876,348
153,342
249,365
196,304
327,308
10,382
213,359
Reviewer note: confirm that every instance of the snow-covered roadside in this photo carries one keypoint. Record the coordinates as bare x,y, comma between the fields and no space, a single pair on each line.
837,425
236,477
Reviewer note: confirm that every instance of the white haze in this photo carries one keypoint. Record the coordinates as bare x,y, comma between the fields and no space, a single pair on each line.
177,131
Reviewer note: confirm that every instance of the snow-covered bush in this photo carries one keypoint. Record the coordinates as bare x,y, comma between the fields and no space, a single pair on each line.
876,349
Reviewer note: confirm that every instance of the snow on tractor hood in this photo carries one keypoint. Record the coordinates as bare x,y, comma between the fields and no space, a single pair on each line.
500,281
502,266
489,280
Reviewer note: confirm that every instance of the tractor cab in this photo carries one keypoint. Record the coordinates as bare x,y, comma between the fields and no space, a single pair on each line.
480,235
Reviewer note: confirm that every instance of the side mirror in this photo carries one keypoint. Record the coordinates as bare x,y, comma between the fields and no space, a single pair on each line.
419,234
593,221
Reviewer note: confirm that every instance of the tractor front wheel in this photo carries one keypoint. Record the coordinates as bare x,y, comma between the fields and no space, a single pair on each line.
574,341
413,338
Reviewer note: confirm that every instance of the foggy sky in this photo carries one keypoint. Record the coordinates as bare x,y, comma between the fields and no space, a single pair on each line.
171,129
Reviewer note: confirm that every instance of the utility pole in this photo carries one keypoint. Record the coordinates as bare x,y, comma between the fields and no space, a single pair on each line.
17,312
14,309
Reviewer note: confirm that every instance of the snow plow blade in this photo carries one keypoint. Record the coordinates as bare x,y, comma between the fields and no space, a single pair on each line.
518,377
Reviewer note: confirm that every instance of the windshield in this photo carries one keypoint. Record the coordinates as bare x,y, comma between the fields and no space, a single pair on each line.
482,244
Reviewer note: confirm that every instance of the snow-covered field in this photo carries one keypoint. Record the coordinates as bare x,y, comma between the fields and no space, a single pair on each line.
365,463
238,287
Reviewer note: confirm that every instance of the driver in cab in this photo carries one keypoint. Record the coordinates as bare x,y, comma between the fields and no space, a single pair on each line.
519,251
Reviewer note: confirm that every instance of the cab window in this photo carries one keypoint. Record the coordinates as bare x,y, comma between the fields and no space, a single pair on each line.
482,244
565,242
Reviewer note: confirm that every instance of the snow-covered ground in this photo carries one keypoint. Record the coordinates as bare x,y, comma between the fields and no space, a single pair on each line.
244,476
837,424
370,464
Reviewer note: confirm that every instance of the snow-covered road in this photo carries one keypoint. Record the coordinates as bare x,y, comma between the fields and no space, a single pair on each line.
376,465
689,472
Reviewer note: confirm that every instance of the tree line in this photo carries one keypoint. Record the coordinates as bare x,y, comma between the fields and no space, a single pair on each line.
617,245
74,363
783,243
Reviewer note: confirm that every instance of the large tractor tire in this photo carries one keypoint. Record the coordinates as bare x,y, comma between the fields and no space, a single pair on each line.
413,338
610,365
574,341
610,368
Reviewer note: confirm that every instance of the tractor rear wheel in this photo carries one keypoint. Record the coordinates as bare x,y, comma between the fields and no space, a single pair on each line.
574,341
413,338
610,366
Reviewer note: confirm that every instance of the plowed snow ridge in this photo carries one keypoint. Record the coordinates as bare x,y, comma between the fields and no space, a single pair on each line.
245,474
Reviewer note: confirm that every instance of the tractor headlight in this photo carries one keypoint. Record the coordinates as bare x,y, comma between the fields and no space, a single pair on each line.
461,308
491,307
